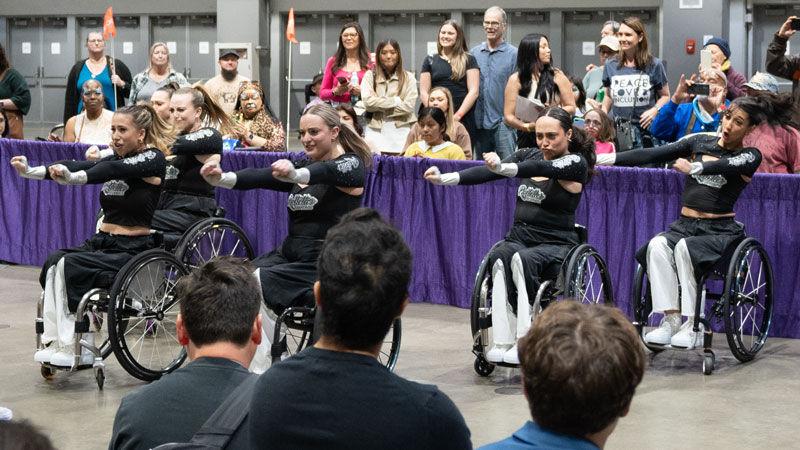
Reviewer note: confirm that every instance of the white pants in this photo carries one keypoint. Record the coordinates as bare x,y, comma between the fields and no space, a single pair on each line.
390,139
503,318
665,268
262,360
59,323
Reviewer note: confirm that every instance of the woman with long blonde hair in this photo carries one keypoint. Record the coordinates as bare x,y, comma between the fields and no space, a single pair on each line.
159,73
456,69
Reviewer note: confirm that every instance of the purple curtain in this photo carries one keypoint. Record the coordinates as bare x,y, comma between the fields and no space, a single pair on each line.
449,229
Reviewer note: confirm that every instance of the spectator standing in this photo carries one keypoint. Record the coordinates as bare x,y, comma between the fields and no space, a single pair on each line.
224,87
440,98
781,65
720,54
456,69
777,137
389,94
497,60
684,115
93,125
576,402
113,75
220,326
593,80
341,82
15,97
158,73
537,80
336,395
636,84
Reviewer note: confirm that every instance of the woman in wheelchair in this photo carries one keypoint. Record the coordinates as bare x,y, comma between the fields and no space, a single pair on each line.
718,169
553,177
131,179
322,188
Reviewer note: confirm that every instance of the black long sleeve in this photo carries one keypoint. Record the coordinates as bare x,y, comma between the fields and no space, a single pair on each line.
204,141
345,171
570,167
745,162
260,178
481,174
149,163
664,153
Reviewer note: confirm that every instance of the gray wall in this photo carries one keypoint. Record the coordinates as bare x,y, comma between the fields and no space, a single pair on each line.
682,24
99,7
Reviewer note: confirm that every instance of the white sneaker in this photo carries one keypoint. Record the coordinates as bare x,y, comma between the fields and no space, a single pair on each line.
46,354
662,335
495,355
511,356
65,358
686,337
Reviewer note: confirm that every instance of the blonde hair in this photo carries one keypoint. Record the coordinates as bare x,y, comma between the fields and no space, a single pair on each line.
212,113
157,133
448,114
153,50
458,59
350,140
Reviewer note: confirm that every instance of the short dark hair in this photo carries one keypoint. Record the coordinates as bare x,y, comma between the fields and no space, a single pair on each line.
220,301
580,367
22,436
6,130
364,269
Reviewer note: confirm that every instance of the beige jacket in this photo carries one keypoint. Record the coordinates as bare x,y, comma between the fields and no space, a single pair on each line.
389,101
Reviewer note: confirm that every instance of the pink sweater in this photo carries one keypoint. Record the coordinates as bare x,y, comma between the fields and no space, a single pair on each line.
329,81
603,147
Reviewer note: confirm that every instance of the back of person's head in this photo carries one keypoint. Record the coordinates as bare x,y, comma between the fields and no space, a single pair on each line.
22,436
363,269
169,88
580,142
580,367
438,116
220,301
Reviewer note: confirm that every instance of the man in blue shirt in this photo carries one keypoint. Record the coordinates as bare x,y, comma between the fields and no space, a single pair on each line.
497,60
580,367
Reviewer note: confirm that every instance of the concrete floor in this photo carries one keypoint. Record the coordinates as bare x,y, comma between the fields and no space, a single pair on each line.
676,407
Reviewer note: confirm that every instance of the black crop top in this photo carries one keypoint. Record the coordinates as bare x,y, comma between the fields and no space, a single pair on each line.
183,171
313,209
717,188
546,203
126,198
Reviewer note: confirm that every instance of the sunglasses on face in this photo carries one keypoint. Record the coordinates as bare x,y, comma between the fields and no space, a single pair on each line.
254,96
88,92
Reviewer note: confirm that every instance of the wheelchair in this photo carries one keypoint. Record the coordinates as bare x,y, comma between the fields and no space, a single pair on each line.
139,312
295,331
742,285
583,276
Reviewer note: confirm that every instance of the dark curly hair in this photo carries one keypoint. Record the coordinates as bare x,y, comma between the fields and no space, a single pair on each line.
3,59
580,143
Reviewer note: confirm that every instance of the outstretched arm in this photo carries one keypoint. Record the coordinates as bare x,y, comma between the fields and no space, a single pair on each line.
345,171
664,153
242,180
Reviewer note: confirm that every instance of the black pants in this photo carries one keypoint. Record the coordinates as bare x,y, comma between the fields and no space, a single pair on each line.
177,212
289,272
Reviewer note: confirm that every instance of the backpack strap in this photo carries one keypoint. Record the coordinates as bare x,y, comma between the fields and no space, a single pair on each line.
217,431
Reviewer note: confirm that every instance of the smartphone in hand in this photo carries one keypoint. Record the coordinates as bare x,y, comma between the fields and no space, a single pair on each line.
342,80
698,89
705,59
795,24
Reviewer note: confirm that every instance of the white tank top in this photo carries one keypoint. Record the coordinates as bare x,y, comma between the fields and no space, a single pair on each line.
97,131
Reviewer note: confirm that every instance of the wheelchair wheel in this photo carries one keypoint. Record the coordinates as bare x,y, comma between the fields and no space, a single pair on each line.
294,330
142,315
210,238
587,279
480,316
748,299
390,349
644,319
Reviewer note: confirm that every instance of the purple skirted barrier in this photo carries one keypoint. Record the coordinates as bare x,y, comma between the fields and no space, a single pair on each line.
449,228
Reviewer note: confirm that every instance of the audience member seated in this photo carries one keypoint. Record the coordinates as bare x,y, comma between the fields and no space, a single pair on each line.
93,124
347,114
220,326
313,88
777,137
684,115
440,98
336,395
782,65
3,124
22,436
261,128
224,87
389,94
159,73
435,142
720,52
593,80
601,128
576,401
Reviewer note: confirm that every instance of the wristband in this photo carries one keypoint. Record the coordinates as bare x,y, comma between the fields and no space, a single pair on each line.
527,126
70,178
606,159
227,180
459,115
505,169
296,176
696,168
34,173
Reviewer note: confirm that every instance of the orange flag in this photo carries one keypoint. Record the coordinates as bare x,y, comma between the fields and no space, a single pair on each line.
290,27
109,29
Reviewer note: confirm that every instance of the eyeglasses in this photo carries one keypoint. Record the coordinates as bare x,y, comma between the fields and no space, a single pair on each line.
94,41
605,51
89,92
491,24
254,96
350,36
